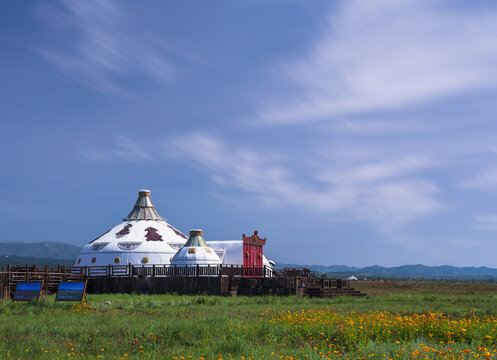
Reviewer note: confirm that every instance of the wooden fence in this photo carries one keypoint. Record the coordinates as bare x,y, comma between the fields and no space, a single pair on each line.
51,277
171,270
17,274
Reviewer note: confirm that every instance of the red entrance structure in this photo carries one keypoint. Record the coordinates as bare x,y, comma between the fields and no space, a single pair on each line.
253,255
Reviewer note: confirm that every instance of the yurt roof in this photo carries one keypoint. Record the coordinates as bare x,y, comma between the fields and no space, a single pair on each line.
196,251
195,239
143,209
143,230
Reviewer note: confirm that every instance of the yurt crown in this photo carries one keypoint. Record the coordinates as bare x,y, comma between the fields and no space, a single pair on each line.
143,209
195,239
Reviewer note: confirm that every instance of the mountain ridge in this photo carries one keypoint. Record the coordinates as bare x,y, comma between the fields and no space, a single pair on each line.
416,270
40,262
50,252
44,249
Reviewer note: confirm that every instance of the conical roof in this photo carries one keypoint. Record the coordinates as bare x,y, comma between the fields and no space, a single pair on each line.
142,238
196,252
195,239
143,209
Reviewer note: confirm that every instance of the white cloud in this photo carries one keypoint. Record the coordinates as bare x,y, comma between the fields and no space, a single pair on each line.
95,47
486,221
121,147
383,55
359,183
130,150
487,179
372,171
374,126
378,192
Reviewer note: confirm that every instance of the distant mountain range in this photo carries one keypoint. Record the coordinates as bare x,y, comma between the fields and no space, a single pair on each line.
46,249
444,271
53,253
40,262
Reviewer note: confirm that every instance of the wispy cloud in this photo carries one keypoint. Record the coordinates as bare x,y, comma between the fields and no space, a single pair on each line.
487,179
486,221
97,47
121,147
358,183
380,192
374,56
371,56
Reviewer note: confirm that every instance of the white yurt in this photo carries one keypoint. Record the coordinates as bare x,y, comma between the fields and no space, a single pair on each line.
142,238
195,252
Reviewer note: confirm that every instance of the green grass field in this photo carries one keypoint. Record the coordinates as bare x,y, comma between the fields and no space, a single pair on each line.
397,321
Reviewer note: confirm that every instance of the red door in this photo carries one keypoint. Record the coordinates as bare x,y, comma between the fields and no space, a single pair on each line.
252,255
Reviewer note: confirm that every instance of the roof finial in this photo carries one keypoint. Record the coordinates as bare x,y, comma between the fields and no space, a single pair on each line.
143,209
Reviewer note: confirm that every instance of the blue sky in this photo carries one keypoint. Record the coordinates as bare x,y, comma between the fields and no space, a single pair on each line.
347,132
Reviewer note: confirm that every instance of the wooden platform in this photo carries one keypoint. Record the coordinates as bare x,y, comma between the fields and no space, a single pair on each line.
226,280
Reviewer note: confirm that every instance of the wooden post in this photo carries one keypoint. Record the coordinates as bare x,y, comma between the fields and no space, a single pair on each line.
130,270
153,271
46,277
8,278
198,270
109,270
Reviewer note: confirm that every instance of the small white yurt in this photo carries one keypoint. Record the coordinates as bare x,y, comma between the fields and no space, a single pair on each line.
195,252
142,238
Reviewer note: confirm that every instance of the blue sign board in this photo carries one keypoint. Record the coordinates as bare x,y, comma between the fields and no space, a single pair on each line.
28,291
71,291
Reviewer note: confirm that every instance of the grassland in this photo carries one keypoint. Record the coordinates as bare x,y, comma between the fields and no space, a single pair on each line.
396,321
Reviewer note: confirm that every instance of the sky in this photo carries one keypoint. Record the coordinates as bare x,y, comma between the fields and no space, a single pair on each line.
346,132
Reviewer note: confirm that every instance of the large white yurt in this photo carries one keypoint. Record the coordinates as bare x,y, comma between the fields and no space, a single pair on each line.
195,252
142,238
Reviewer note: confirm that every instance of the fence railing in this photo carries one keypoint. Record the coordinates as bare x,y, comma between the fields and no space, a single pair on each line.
16,274
50,277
